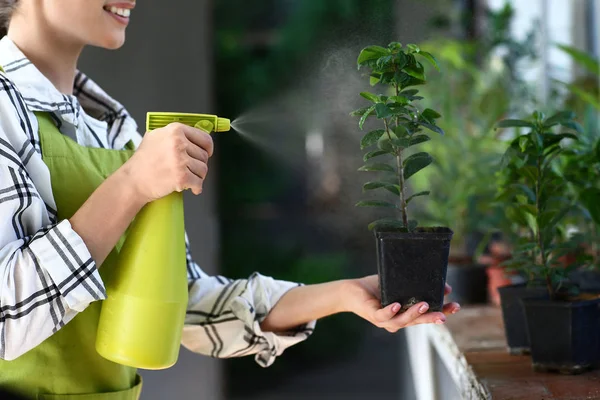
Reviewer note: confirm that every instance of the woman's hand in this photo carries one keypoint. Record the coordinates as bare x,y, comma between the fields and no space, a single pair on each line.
170,159
362,297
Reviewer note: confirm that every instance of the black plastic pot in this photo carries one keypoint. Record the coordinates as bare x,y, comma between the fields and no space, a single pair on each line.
564,335
469,283
412,266
588,281
513,314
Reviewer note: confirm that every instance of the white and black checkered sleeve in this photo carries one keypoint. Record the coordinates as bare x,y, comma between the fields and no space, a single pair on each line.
47,274
224,316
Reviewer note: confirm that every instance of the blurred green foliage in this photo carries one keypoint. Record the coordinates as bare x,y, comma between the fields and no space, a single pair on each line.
479,85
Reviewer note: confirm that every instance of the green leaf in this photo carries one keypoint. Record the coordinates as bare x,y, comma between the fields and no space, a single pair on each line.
385,63
375,153
551,139
400,99
530,172
523,143
387,223
583,59
537,140
558,118
377,167
424,193
374,79
531,222
429,57
430,114
558,216
371,53
402,142
588,98
432,127
365,116
371,97
514,123
413,48
400,131
590,198
574,125
526,190
360,112
395,46
395,189
371,138
386,145
415,163
409,92
529,208
417,71
418,139
382,111
539,116
375,203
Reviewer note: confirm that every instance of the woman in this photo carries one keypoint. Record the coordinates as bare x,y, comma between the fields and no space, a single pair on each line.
59,223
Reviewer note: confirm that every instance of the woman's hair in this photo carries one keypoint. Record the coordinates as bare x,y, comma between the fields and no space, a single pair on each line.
7,7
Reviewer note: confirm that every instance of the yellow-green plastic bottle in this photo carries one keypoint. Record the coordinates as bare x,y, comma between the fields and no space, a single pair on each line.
142,318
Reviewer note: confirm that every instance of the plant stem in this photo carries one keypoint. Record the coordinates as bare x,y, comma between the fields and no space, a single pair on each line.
400,173
540,240
400,165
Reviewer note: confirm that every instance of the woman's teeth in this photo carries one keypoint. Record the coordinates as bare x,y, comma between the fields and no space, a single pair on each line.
123,12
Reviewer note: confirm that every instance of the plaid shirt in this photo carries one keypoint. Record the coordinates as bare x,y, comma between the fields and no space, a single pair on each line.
47,274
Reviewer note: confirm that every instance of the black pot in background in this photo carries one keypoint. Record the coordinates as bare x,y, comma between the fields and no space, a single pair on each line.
468,281
513,314
412,266
587,280
564,335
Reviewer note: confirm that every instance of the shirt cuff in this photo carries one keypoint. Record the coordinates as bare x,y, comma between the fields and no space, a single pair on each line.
253,311
63,254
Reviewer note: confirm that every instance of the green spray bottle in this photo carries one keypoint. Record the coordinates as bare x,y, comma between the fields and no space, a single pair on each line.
142,318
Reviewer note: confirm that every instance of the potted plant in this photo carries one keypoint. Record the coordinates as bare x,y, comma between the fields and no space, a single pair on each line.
582,167
562,325
412,260
481,80
472,99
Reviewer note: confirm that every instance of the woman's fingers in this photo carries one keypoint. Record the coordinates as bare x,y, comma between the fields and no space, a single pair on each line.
431,318
383,315
447,290
199,138
193,182
198,168
197,152
451,308
406,318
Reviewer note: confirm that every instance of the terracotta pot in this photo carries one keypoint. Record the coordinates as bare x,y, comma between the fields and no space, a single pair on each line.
497,277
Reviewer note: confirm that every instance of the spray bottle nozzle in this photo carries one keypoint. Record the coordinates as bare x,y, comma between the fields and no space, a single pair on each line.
206,122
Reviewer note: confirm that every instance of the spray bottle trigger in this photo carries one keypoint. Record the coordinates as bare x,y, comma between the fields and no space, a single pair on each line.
205,126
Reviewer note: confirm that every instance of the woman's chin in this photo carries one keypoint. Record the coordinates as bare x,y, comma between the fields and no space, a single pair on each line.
113,42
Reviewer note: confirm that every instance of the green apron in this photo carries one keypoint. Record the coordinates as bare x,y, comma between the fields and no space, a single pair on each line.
66,365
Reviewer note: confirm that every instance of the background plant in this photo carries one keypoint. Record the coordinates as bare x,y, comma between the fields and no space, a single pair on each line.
584,91
480,86
534,198
581,167
397,69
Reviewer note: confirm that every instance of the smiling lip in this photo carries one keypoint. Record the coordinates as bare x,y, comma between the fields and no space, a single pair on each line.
127,5
119,18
